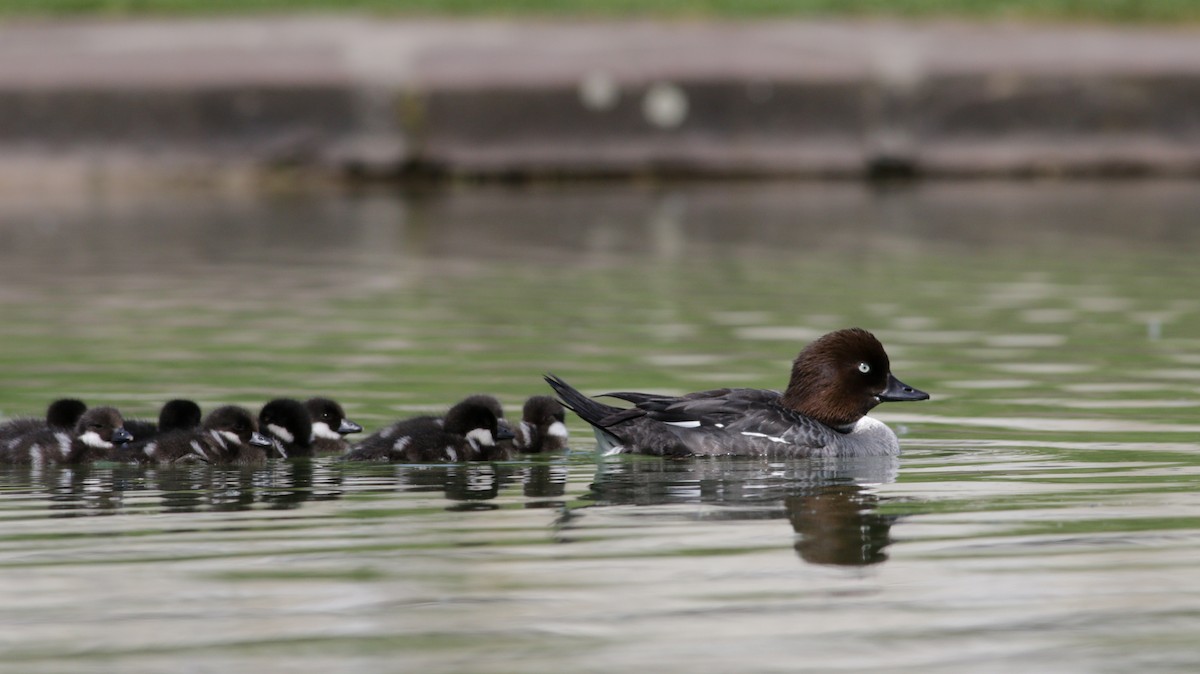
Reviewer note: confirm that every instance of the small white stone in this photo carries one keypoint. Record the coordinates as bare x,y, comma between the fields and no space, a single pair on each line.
665,105
598,91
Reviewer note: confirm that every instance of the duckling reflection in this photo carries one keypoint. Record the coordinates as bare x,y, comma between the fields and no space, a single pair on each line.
828,502
545,477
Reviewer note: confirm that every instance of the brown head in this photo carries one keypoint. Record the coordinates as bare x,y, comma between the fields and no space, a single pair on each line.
102,427
839,377
235,424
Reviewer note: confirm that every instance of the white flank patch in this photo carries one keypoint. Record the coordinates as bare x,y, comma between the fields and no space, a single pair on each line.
220,440
481,437
685,424
322,430
764,435
64,444
35,455
387,432
230,436
402,443
93,439
281,433
149,450
719,425
451,453
557,429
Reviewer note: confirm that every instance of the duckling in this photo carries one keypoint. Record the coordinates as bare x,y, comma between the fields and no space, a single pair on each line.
542,427
467,431
329,425
288,426
94,438
175,415
61,415
228,435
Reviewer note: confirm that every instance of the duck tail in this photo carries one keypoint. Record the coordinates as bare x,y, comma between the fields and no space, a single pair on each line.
597,414
589,410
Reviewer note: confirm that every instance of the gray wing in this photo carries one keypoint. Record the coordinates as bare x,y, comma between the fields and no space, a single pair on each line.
725,422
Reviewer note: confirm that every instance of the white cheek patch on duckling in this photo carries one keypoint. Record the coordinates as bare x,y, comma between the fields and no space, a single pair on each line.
685,424
523,434
230,436
281,433
64,444
93,439
481,437
557,430
197,449
148,450
322,430
387,432
772,438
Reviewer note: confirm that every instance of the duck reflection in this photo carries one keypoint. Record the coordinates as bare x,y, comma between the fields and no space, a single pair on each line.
838,524
829,502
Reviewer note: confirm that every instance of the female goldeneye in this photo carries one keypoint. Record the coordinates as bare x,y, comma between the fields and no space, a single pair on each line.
175,415
228,435
542,427
288,426
61,415
94,437
835,381
467,433
329,426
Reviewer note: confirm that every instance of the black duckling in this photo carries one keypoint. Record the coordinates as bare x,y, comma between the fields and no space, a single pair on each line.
95,436
466,433
384,438
329,426
288,426
494,405
61,415
175,415
542,427
228,435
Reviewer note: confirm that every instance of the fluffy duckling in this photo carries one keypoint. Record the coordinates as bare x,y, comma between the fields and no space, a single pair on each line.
175,415
288,426
61,415
329,425
385,437
228,435
542,427
95,436
466,433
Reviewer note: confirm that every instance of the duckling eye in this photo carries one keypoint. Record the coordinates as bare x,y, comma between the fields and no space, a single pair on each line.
864,368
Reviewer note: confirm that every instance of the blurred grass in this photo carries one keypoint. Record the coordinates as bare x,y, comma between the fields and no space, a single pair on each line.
1153,11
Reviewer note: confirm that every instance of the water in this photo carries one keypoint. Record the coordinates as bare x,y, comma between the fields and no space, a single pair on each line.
1043,517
